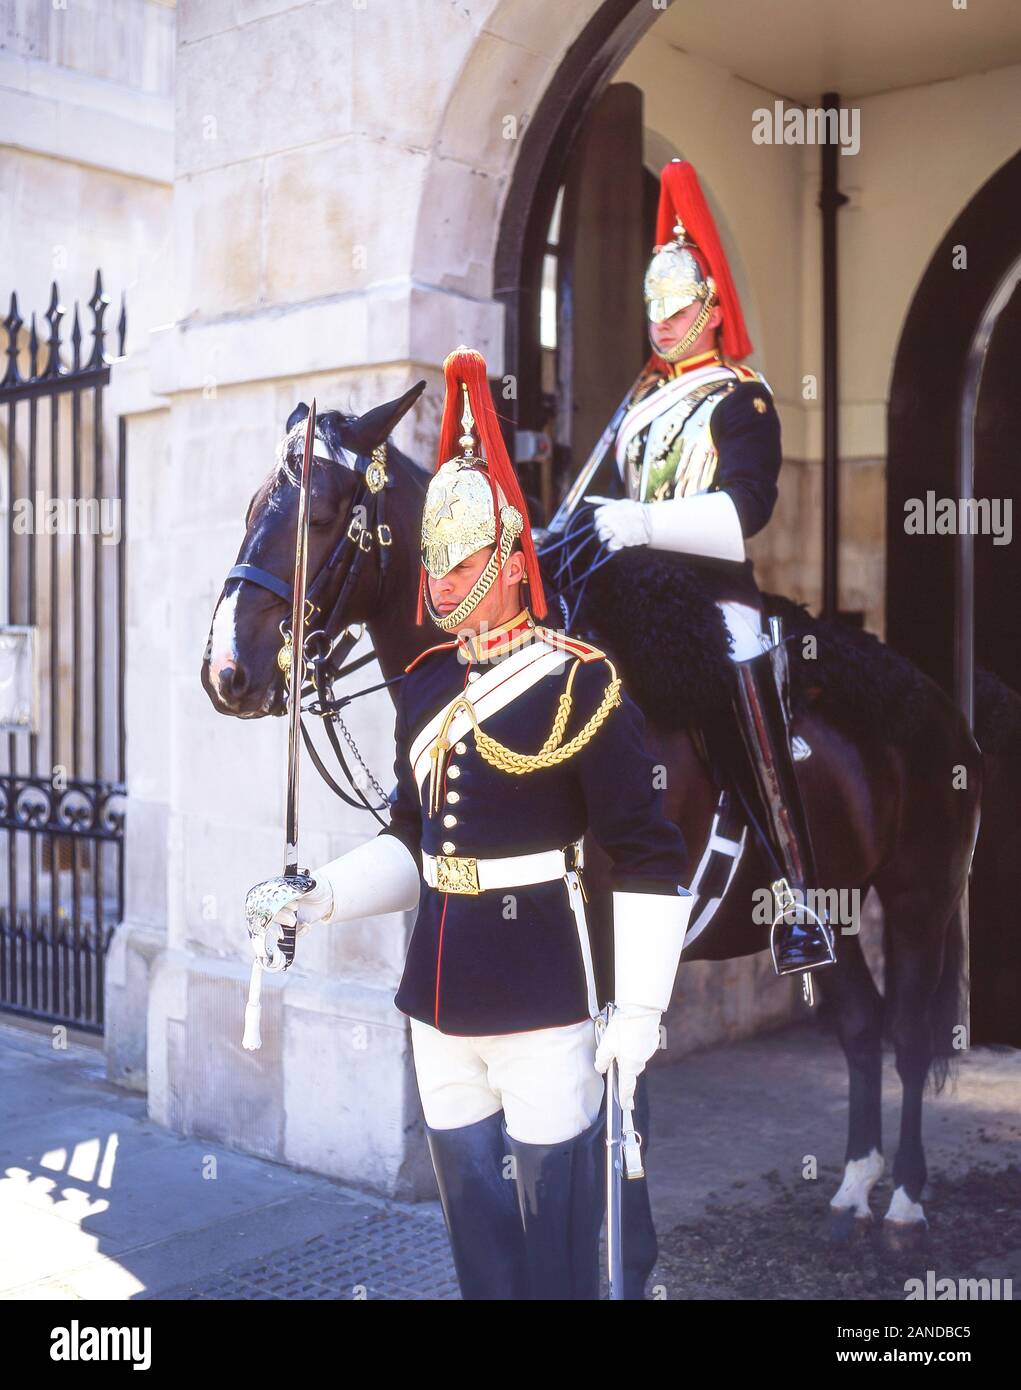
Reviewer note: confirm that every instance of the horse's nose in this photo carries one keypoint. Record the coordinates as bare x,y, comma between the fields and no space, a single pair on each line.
232,682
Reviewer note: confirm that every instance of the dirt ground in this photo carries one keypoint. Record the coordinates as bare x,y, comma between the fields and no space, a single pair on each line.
732,1128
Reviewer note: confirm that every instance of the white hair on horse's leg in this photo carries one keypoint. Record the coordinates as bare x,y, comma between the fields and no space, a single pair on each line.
903,1209
860,1176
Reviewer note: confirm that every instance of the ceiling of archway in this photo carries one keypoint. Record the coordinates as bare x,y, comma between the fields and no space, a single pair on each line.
801,48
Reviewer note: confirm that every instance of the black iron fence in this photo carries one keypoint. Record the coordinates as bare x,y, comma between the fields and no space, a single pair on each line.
62,647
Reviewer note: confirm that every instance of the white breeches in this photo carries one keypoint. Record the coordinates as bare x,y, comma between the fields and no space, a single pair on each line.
545,1081
745,627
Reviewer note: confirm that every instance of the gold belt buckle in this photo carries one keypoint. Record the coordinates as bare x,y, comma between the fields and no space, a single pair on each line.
457,873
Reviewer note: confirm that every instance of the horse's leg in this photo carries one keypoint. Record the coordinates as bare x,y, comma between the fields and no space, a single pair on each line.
858,1014
915,964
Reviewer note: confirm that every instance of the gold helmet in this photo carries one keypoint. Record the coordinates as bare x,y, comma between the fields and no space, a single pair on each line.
474,499
674,278
689,266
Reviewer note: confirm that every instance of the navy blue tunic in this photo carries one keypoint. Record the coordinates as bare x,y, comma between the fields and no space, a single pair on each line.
510,959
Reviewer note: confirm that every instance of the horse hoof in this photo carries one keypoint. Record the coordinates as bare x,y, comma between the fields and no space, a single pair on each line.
904,1237
846,1227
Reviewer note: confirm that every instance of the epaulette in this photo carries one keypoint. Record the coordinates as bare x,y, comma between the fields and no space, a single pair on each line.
744,373
439,647
585,651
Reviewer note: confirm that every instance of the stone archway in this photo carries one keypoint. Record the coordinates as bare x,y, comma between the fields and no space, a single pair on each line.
552,62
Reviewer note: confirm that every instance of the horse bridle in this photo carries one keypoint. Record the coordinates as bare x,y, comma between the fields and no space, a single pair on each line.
327,644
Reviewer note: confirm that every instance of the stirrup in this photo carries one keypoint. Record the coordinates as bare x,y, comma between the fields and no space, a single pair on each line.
785,900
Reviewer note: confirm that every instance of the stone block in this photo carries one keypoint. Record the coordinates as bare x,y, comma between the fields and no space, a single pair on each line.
526,23
339,216
129,962
403,101
487,113
218,240
350,1095
287,87
457,228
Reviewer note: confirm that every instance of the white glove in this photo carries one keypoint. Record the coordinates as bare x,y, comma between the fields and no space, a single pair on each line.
314,906
621,522
630,1039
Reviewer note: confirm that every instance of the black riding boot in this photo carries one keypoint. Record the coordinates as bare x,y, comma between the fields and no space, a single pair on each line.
562,1196
799,939
480,1205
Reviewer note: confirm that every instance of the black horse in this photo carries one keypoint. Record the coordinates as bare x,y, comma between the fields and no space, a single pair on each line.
892,785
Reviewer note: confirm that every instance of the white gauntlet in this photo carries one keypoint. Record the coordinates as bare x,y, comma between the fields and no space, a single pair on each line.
379,876
621,522
630,1039
706,524
648,936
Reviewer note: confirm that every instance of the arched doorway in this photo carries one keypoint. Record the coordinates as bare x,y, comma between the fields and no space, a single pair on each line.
923,600
581,130
922,428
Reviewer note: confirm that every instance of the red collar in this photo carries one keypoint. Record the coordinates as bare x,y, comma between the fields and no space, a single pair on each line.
495,641
701,359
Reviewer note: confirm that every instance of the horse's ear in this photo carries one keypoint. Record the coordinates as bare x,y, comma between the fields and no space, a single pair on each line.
299,412
376,425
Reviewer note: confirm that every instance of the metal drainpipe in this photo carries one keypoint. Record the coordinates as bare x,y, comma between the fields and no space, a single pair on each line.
830,201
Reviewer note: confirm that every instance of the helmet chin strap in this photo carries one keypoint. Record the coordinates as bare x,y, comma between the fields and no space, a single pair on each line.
478,591
693,334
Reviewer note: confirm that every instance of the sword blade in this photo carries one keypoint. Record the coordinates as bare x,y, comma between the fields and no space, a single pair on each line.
591,465
297,645
614,1229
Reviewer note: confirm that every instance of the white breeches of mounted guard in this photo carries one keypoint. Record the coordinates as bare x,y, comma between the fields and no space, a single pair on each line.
745,627
544,1080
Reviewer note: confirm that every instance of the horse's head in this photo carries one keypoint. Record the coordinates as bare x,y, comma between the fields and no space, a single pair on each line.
349,527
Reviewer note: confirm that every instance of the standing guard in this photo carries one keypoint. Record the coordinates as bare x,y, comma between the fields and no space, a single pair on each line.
698,454
513,741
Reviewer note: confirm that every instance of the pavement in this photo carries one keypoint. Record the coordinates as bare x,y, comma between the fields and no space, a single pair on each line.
98,1202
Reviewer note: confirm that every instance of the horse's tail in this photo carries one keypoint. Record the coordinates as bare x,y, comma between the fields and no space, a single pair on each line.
947,1008
948,1013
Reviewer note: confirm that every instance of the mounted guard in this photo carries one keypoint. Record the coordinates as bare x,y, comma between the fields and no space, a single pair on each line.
697,450
513,741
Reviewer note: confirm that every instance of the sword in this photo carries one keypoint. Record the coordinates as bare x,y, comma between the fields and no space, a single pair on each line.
591,464
297,644
623,1159
265,900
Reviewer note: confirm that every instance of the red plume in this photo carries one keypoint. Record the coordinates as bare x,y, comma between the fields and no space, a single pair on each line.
681,196
465,365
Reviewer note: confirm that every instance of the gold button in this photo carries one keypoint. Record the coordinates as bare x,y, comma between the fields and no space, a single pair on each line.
448,847
460,747
448,821
453,770
453,797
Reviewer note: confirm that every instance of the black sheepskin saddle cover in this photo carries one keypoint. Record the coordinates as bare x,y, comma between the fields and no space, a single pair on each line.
653,614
